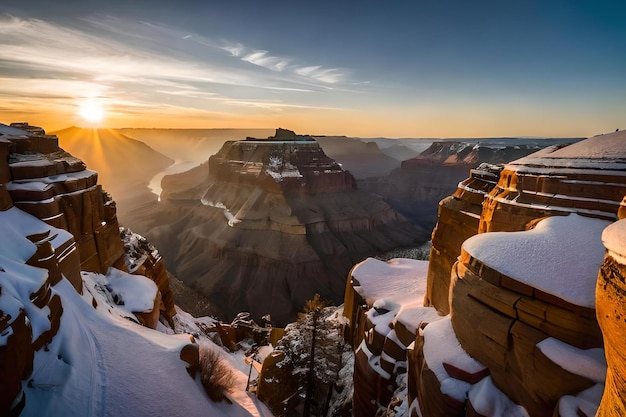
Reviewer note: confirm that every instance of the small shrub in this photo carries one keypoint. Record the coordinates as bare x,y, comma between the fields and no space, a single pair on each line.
215,374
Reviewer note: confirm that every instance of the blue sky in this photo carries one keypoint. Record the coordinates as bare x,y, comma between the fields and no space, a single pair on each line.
369,68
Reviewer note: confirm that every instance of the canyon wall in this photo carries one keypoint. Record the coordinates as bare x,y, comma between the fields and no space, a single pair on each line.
517,254
56,221
421,182
506,319
274,222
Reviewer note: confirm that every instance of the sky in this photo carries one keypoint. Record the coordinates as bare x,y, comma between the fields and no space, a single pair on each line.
400,68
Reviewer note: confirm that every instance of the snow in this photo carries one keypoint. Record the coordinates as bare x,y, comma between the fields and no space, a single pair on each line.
589,363
599,152
489,401
441,345
279,169
614,239
413,315
16,225
373,360
587,401
100,364
607,146
394,283
560,256
136,293
232,220
19,281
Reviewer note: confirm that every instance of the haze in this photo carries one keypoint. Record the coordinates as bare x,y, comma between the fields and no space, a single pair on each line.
394,69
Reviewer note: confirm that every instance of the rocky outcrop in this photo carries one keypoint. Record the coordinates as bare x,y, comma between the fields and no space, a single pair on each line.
522,295
461,212
421,182
555,181
611,313
383,305
55,221
122,163
278,221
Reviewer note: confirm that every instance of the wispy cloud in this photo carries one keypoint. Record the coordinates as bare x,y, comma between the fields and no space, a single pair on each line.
235,49
316,72
142,65
263,59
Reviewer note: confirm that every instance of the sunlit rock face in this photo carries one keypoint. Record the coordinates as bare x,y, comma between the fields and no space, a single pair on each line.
55,220
521,296
421,182
586,177
276,222
611,313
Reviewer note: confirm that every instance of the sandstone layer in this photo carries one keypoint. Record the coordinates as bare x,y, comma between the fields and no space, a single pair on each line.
509,307
274,222
421,182
611,313
56,221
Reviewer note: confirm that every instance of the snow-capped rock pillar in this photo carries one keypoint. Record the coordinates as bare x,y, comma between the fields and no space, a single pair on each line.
611,313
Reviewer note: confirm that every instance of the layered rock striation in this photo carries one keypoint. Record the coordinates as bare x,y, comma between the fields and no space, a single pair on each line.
277,222
421,182
611,313
56,221
521,295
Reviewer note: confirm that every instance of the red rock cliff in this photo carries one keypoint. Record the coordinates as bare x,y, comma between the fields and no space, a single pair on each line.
55,221
510,307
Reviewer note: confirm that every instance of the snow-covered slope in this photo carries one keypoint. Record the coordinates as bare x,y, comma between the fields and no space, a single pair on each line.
101,363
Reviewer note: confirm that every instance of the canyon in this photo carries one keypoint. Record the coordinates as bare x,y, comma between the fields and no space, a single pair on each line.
510,322
268,223
62,257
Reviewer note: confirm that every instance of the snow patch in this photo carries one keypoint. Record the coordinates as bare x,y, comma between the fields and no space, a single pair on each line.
441,345
489,401
614,239
560,256
589,363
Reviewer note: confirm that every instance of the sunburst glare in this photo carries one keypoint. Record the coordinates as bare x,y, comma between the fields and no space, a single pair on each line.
92,112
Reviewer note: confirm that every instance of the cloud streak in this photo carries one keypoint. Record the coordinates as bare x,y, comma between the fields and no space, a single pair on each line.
147,65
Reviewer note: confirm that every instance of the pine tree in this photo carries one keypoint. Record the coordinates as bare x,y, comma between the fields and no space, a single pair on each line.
313,346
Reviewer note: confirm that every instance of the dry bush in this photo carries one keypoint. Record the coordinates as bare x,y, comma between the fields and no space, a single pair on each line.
215,374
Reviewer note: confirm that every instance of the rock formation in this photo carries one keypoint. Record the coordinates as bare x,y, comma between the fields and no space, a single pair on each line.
56,221
512,274
611,313
516,298
416,187
273,223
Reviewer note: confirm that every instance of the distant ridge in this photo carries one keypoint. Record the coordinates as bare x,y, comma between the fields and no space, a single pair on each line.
121,162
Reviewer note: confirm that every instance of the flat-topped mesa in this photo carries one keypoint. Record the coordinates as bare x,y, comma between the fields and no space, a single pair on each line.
292,164
278,222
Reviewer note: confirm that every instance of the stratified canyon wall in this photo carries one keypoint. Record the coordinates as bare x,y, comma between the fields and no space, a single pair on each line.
55,221
416,187
517,255
510,294
275,222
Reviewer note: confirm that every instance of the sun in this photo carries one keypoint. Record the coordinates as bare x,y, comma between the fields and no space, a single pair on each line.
92,112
